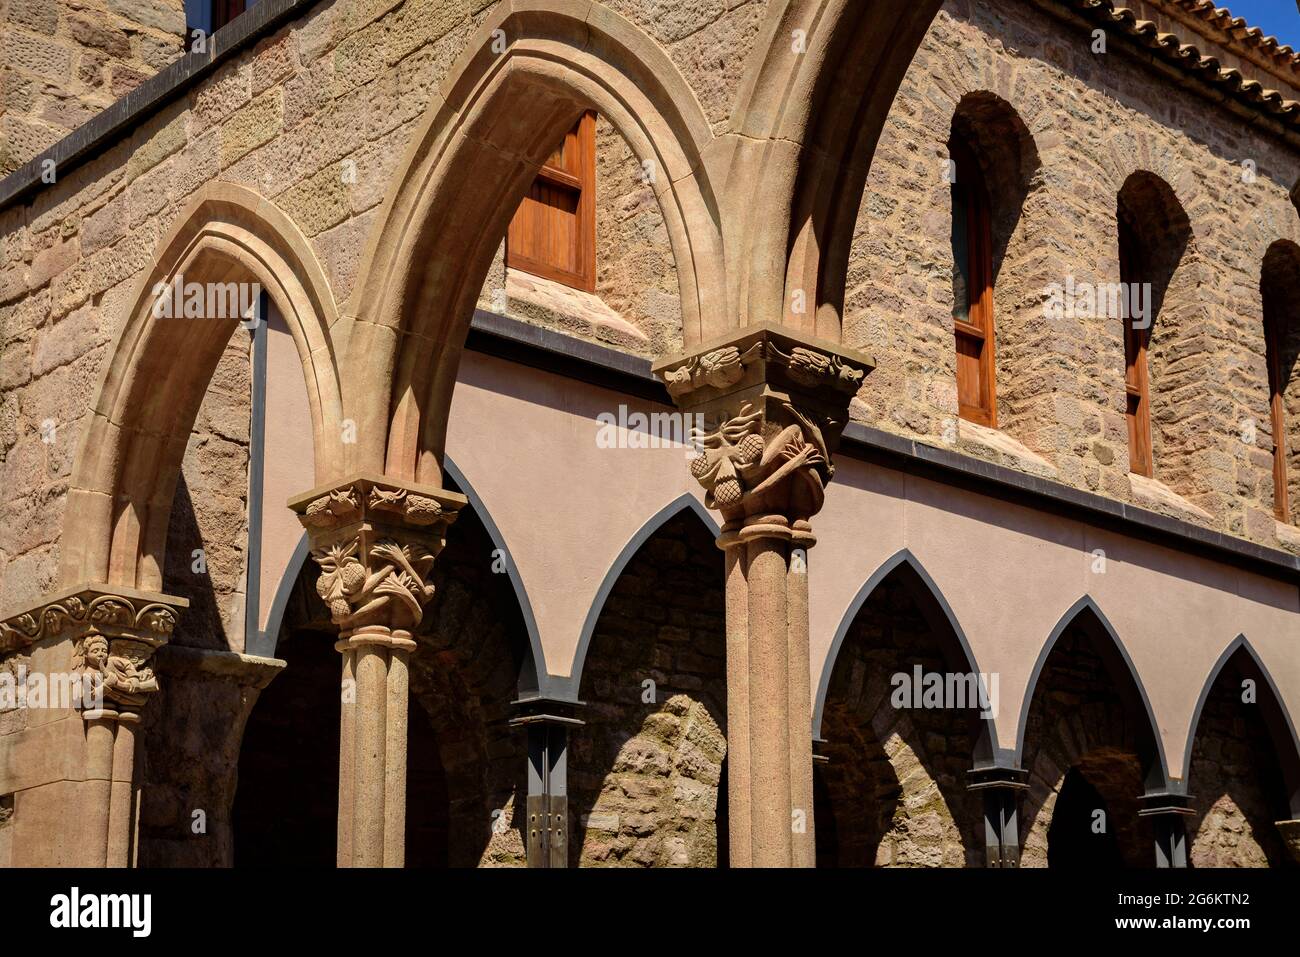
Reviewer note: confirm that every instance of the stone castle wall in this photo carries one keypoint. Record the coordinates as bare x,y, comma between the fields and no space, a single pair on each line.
62,61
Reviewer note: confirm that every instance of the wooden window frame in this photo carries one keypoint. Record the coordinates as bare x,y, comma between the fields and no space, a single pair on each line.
975,335
571,168
1273,339
1137,380
224,11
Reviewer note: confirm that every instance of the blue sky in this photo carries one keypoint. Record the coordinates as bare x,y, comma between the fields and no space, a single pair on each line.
1276,17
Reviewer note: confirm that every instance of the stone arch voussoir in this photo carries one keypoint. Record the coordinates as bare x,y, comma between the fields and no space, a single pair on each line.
149,391
487,132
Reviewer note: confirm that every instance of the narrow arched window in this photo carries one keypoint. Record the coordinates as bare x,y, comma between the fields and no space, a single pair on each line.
1137,334
1277,418
1279,279
972,319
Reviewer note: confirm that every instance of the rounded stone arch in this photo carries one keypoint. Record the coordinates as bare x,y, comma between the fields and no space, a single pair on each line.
818,85
1123,676
567,689
152,385
1281,729
528,73
1128,151
941,619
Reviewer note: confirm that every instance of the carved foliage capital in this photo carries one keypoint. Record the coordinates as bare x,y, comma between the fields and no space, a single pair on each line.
773,457
375,542
774,404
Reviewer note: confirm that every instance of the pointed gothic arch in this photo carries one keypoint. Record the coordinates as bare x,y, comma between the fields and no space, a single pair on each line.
151,387
531,70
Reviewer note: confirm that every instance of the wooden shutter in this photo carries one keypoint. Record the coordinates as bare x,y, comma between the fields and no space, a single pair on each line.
1137,384
553,234
972,244
223,11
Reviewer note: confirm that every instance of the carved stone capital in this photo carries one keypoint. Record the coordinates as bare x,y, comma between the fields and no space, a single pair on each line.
773,404
116,631
375,540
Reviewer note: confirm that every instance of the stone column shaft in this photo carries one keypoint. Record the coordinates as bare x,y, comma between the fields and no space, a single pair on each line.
739,774
801,750
376,541
347,749
122,812
770,405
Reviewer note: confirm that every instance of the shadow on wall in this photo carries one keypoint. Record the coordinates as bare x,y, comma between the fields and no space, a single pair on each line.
893,788
1088,748
1235,779
646,773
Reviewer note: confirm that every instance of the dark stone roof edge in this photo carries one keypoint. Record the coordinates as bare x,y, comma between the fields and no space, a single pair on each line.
121,117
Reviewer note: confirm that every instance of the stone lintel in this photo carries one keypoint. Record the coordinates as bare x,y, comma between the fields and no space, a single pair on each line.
117,612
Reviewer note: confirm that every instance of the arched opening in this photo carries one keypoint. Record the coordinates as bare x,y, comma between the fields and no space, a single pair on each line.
1243,769
1078,837
230,245
901,726
1156,309
466,174
646,772
1087,725
466,766
993,162
1279,280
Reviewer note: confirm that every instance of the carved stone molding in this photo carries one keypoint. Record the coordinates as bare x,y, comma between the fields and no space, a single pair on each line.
375,540
116,631
773,405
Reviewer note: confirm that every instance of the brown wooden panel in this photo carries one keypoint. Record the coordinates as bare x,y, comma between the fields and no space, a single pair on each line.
553,233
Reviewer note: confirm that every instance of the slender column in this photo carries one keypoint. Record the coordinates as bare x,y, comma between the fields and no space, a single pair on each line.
769,405
1000,788
1168,814
396,713
370,750
547,822
739,775
801,752
347,748
121,813
376,542
769,685
98,787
